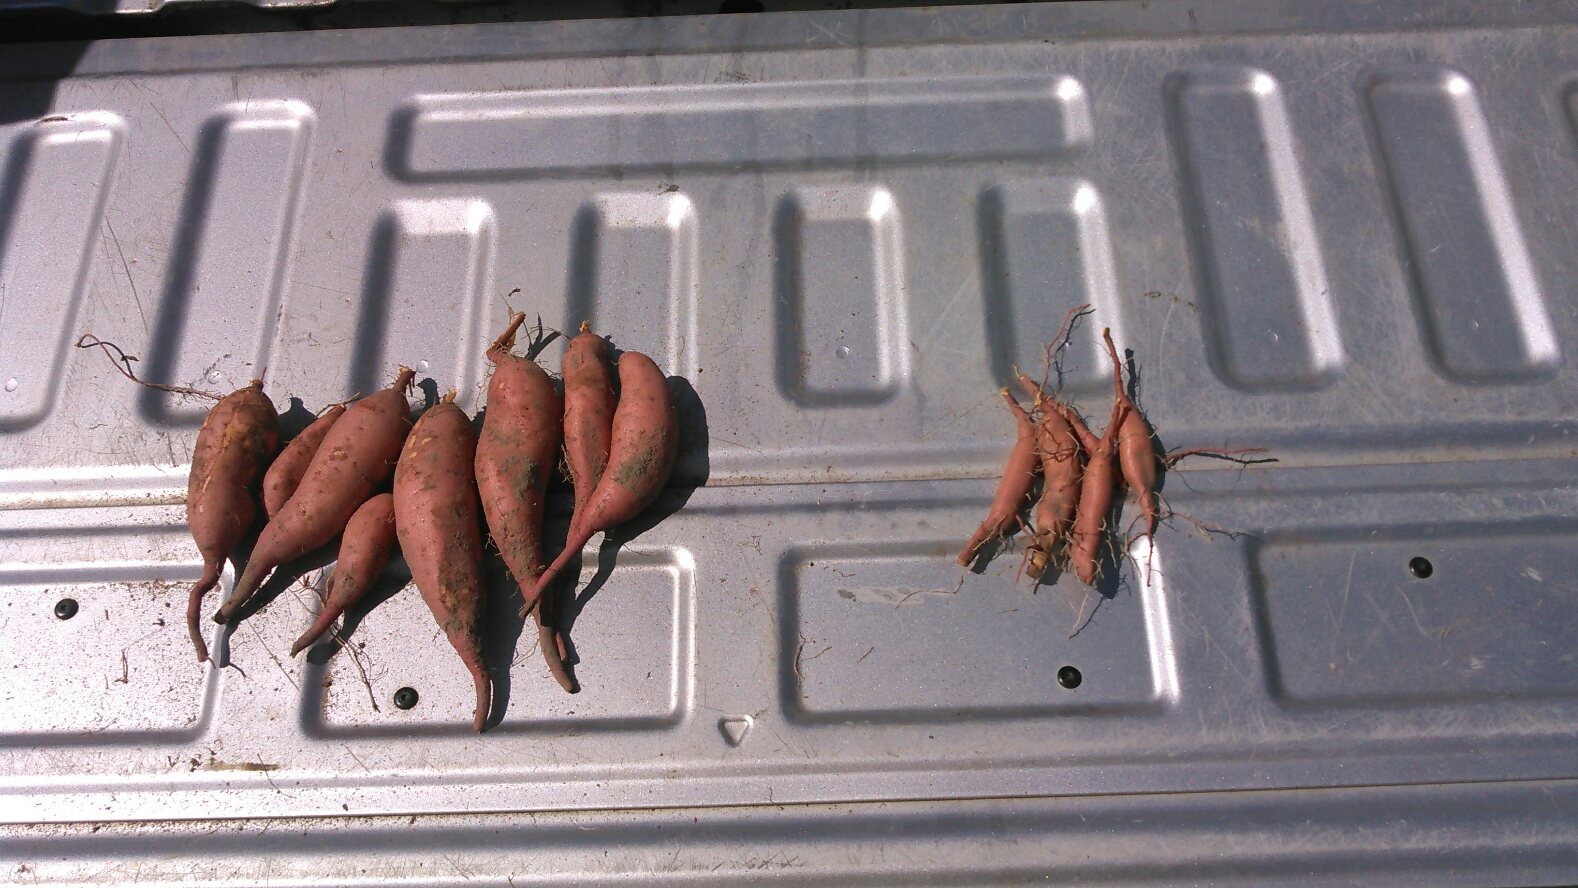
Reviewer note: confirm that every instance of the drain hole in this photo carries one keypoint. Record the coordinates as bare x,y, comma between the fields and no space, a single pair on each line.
1420,566
1069,677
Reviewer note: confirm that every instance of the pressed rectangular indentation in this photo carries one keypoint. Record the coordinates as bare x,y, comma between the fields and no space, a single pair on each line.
635,259
430,265
1475,288
1268,304
1481,613
99,654
52,193
761,125
234,236
842,315
890,633
1047,250
635,671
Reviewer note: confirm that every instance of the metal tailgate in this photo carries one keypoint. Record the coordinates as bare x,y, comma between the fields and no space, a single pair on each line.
1345,233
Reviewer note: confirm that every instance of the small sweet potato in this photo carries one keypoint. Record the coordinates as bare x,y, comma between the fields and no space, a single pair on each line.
364,550
1013,487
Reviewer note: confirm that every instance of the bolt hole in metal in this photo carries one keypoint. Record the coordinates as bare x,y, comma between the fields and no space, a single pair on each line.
1420,567
1069,677
405,698
65,608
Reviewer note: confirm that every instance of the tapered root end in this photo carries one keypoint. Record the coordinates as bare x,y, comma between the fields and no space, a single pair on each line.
479,719
403,381
227,612
311,636
506,340
553,651
250,580
194,610
449,397
973,547
586,326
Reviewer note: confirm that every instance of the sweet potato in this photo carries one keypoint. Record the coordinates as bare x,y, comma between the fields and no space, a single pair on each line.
435,503
515,458
588,410
1013,488
641,456
1097,485
356,458
364,550
1136,451
285,474
1061,468
238,438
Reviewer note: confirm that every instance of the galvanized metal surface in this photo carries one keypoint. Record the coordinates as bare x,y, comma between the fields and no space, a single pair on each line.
147,7
1341,234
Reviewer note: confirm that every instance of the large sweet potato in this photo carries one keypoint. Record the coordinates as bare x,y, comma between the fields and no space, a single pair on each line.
435,500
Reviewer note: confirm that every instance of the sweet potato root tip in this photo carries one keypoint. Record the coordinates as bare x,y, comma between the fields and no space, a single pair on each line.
551,640
506,340
194,609
484,704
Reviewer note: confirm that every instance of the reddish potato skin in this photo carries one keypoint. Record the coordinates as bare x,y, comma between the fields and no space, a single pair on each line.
1136,450
515,456
589,404
364,550
238,438
1096,487
515,460
641,457
355,459
1061,469
436,520
285,474
1012,488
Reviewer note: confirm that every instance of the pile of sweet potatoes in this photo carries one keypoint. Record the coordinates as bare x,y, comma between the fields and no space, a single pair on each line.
364,475
1082,476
